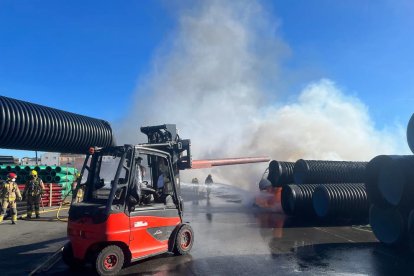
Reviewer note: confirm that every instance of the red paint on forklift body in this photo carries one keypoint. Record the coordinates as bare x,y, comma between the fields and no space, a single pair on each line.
132,232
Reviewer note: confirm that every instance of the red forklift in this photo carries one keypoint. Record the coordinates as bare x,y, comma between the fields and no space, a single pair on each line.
131,207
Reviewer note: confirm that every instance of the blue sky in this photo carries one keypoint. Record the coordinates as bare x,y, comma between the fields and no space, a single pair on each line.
88,56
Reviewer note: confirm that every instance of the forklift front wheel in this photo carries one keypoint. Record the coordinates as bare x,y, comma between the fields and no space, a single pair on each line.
183,240
110,260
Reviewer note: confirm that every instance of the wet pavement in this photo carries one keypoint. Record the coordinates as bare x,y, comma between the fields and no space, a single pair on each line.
232,237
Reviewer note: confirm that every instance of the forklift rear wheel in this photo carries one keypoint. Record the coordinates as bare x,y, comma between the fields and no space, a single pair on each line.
110,260
68,259
183,240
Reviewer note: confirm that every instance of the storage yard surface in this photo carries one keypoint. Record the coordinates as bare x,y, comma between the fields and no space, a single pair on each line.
231,238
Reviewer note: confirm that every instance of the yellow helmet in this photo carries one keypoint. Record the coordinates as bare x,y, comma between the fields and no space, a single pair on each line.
34,173
77,175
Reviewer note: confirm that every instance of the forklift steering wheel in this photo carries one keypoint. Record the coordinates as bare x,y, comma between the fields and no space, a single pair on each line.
148,190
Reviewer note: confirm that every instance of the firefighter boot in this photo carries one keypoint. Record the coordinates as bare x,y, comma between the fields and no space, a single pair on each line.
29,214
14,219
37,216
1,218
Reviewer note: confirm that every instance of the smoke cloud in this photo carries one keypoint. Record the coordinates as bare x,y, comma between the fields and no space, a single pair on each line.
219,78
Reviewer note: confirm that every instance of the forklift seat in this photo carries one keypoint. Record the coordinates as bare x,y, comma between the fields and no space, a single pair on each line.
169,201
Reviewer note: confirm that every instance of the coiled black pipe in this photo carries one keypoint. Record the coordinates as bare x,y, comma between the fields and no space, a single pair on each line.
388,180
280,173
29,126
297,199
320,172
411,230
345,200
395,181
389,224
410,133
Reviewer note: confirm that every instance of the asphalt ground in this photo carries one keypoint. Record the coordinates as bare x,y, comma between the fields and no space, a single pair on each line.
30,242
232,237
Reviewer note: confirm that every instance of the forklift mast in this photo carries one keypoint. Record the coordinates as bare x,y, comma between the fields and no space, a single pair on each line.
165,138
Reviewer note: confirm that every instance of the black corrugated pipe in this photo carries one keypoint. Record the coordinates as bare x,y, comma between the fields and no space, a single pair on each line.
320,172
264,183
411,230
29,126
297,199
395,181
388,180
410,133
280,173
345,200
390,225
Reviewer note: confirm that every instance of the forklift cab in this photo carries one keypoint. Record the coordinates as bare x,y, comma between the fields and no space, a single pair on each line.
128,178
131,209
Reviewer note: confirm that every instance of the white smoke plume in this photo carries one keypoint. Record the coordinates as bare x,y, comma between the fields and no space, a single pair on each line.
215,77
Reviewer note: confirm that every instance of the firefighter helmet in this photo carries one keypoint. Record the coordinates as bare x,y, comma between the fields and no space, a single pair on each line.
34,173
12,175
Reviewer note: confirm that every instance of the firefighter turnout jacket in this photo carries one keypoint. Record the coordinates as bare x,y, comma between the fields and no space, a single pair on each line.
34,187
10,191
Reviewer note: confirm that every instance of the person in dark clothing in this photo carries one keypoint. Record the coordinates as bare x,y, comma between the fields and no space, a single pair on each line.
33,192
138,185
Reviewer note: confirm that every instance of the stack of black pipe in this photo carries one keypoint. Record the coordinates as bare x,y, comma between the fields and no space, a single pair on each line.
326,189
295,199
390,191
344,200
280,173
390,188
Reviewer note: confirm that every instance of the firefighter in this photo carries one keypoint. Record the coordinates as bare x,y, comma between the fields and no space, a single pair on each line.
208,182
80,192
33,192
9,193
163,182
209,179
2,182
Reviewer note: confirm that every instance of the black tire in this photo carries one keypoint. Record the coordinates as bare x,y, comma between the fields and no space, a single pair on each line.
183,240
110,260
68,259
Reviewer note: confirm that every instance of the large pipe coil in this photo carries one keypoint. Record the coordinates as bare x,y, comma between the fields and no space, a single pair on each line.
320,172
29,126
411,230
389,224
280,173
347,200
389,180
410,133
396,181
297,199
